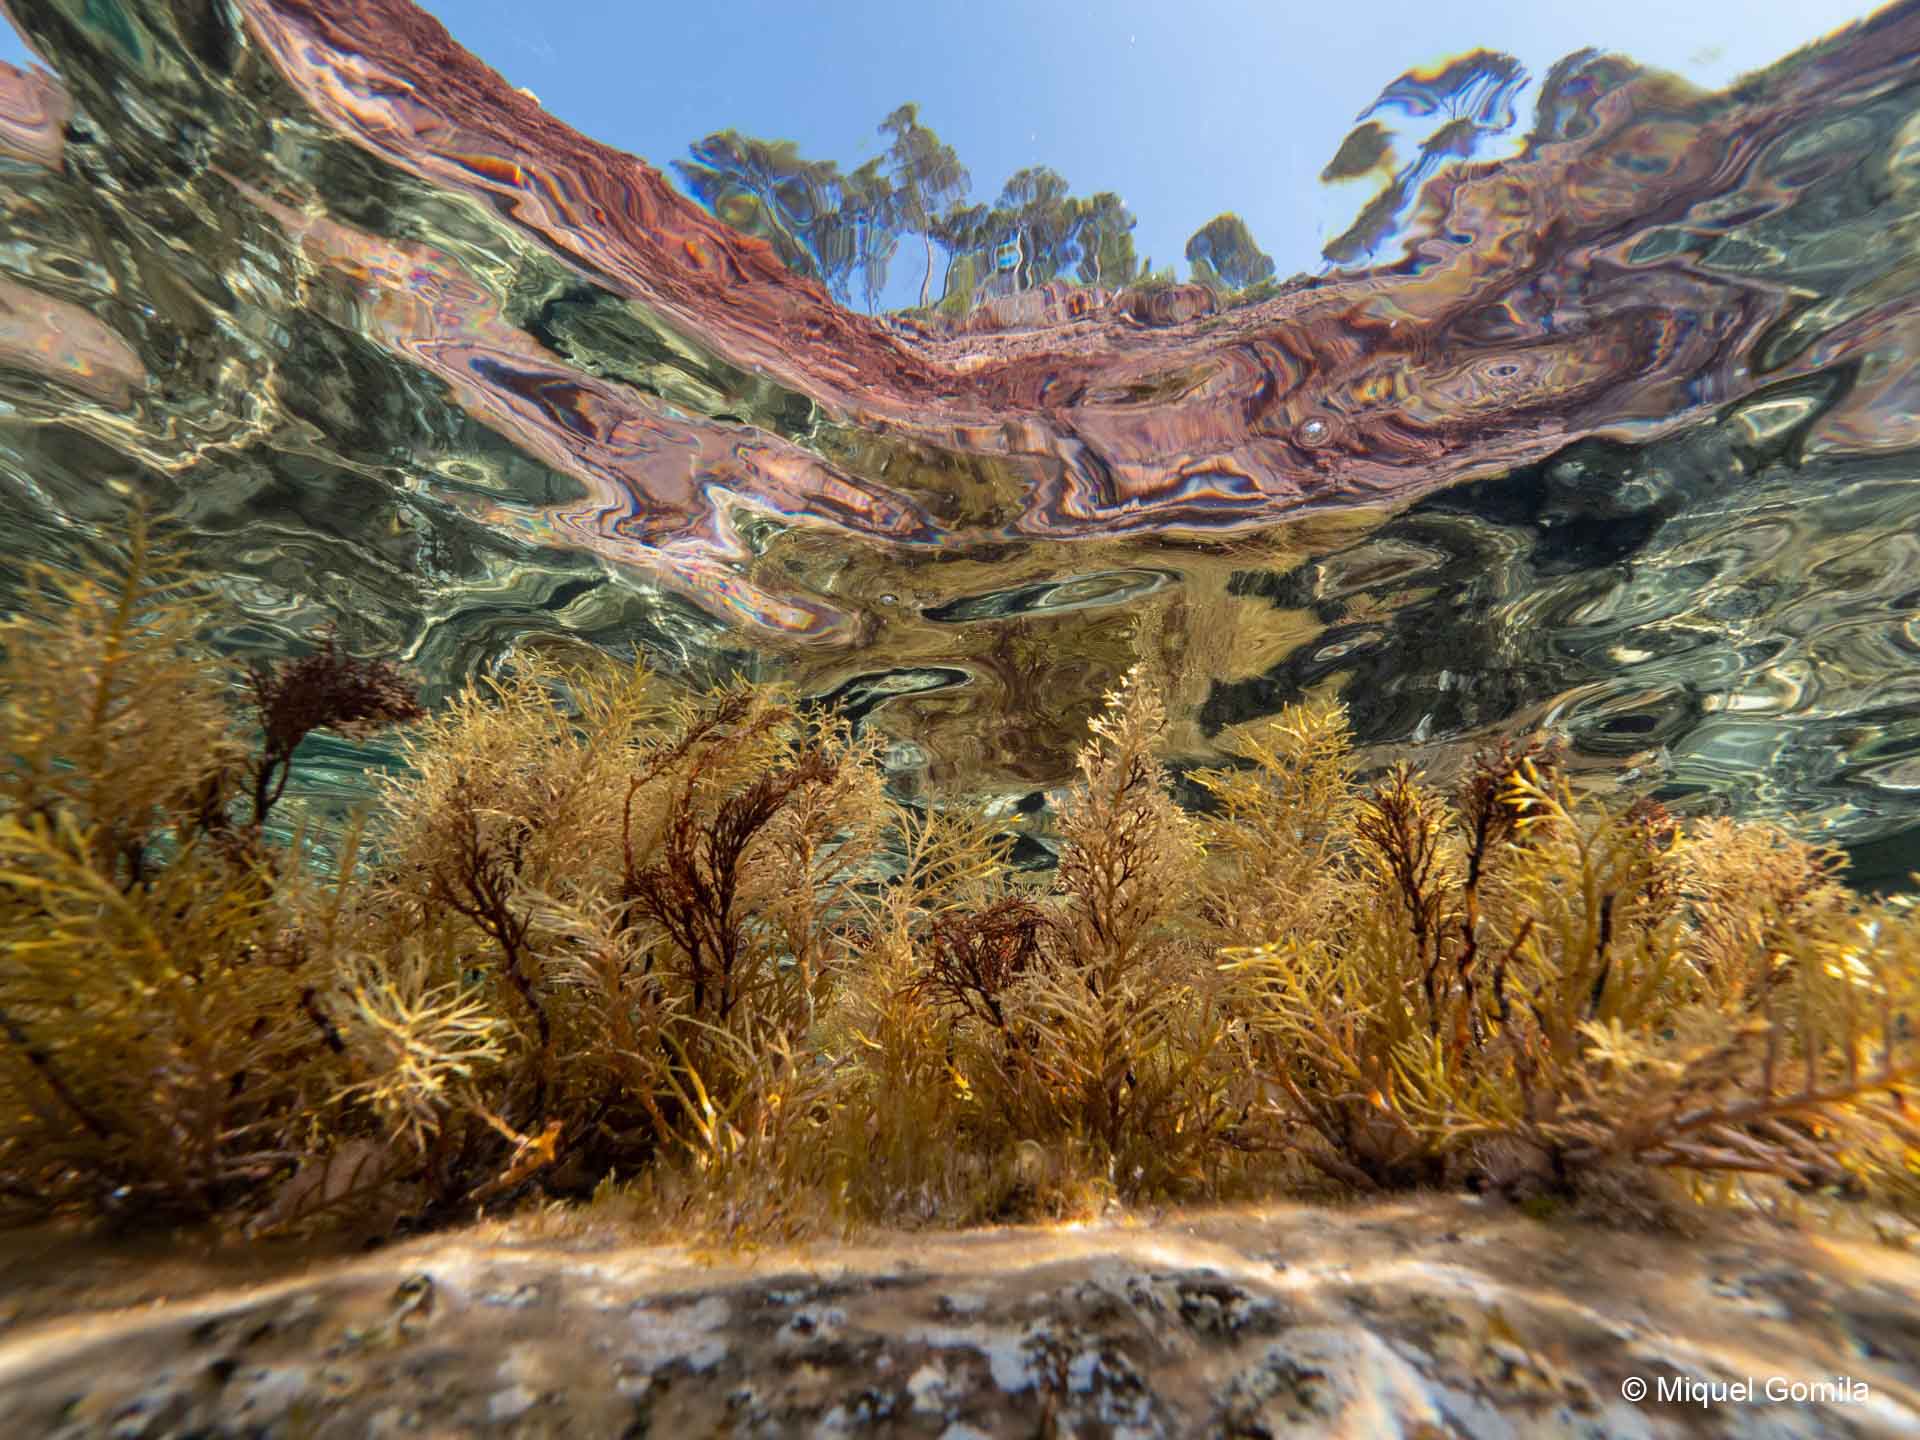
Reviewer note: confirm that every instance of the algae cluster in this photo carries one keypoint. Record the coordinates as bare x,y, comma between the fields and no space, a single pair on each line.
609,937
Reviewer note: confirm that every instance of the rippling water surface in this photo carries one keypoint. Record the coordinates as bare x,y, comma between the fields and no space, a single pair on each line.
1627,441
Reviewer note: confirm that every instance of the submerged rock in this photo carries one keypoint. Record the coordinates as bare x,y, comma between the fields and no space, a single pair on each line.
1427,1318
1169,305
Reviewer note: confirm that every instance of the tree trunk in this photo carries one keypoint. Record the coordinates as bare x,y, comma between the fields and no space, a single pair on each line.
946,277
926,280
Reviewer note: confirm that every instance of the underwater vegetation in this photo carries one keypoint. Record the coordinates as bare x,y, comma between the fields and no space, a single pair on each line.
609,935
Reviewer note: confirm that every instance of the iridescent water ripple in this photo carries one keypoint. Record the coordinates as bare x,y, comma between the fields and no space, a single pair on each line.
1625,443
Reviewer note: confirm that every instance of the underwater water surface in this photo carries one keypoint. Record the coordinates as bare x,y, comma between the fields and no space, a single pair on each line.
1618,435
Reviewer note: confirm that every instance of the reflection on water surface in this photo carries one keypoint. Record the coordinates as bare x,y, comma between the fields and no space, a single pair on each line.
1619,437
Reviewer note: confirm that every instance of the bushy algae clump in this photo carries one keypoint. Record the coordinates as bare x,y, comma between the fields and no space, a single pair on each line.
607,936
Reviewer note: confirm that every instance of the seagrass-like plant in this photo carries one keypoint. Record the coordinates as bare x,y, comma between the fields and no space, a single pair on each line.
1105,1032
110,714
1529,974
1648,1024
651,887
158,1047
604,935
1281,821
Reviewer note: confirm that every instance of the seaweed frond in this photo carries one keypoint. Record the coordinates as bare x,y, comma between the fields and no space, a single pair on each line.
110,712
616,939
1276,838
325,690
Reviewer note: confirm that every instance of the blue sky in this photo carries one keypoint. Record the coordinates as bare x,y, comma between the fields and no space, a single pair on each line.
1184,109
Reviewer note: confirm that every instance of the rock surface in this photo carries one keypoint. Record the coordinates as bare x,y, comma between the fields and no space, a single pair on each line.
1481,356
1430,1318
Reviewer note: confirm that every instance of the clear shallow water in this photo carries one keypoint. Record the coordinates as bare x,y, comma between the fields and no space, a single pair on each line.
1623,439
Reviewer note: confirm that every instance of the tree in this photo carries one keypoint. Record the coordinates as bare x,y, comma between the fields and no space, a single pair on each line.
1479,86
962,231
1457,138
1043,219
1565,109
1368,147
845,228
765,188
869,207
1476,93
928,179
1104,236
1224,247
1376,221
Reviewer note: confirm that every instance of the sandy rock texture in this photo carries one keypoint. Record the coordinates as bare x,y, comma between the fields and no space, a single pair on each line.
1429,1319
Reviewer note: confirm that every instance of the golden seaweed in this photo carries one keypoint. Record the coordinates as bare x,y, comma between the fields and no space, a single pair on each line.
605,938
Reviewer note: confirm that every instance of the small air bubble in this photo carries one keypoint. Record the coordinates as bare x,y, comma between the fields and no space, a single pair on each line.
1315,432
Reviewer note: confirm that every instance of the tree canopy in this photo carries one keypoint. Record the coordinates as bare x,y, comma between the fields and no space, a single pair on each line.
766,188
1368,147
1223,249
845,228
1105,240
928,178
1473,99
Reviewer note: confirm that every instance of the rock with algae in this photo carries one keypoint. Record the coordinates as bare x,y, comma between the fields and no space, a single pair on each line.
1429,1318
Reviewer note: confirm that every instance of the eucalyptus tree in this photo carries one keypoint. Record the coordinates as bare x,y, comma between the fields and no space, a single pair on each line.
1367,148
1377,220
766,188
1224,247
1042,215
1571,89
869,207
928,180
1476,94
836,247
963,233
1104,236
1479,86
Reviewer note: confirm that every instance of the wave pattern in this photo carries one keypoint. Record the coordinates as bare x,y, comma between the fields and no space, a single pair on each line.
1624,442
